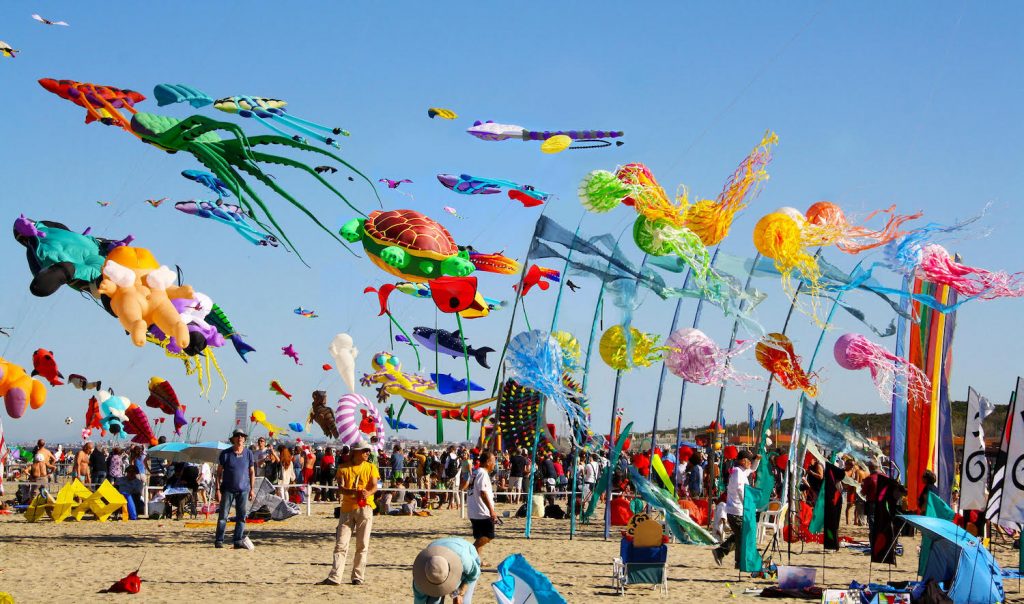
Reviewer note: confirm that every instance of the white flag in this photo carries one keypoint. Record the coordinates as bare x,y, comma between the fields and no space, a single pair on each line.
974,472
241,415
1012,506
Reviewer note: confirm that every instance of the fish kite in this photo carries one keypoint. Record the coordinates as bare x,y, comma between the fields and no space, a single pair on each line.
535,276
156,202
230,215
453,212
446,342
447,114
163,397
395,424
46,21
448,384
103,204
322,169
393,184
562,140
80,382
45,366
475,185
290,352
276,387
7,51
309,314
209,181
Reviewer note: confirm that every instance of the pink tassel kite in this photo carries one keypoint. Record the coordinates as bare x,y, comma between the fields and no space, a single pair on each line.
854,351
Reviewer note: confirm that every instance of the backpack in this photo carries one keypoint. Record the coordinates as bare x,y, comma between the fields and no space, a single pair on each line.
451,468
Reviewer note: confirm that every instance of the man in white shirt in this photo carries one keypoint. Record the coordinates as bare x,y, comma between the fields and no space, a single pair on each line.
738,478
590,474
480,505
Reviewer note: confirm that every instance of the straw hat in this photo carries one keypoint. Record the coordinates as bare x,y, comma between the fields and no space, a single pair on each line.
437,571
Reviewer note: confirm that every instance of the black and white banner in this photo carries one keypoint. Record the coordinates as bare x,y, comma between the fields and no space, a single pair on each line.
974,472
1011,508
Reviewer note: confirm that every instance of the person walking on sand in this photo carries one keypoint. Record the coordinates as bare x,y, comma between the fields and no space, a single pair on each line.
480,505
738,478
82,471
446,567
357,482
236,474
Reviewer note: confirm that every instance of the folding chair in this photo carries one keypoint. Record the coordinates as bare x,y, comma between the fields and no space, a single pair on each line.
69,497
102,503
642,559
773,517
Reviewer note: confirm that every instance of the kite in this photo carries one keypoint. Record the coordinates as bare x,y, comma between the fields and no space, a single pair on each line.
453,212
638,350
578,139
46,21
829,226
276,388
572,286
209,181
937,266
19,390
326,367
775,353
417,290
447,384
408,245
156,202
197,135
170,94
228,214
43,364
462,415
394,382
535,275
80,382
854,351
103,204
446,342
4,330
535,360
218,319
101,103
296,427
695,357
290,352
322,169
348,421
496,262
261,418
344,352
473,185
447,114
136,423
7,51
309,314
271,111
395,424
140,291
394,184
112,412
163,397
454,294
323,415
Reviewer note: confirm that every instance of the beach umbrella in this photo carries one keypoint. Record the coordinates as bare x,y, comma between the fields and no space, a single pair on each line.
208,451
168,451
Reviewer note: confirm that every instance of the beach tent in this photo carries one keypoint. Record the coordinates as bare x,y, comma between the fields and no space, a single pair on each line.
959,561
521,584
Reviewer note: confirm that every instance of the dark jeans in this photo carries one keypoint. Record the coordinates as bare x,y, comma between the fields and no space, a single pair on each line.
240,499
98,477
736,526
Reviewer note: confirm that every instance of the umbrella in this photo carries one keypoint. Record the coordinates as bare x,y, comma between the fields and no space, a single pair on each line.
198,453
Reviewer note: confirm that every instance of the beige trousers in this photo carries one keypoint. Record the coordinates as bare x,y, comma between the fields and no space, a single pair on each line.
360,522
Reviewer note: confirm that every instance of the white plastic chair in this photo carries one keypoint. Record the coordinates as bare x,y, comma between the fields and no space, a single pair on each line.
772,518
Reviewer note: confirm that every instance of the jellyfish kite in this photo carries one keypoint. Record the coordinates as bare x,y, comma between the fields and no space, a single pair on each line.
854,351
775,353
829,226
622,352
696,358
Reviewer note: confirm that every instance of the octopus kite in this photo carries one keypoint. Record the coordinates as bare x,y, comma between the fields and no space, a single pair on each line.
226,158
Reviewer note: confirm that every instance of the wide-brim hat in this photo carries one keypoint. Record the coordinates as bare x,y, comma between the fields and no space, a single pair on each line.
362,445
239,433
437,571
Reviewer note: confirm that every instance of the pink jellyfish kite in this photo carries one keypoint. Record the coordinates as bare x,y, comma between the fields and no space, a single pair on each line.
936,265
696,358
854,351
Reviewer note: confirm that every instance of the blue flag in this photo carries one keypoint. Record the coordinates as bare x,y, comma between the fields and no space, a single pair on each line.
778,417
721,419
750,416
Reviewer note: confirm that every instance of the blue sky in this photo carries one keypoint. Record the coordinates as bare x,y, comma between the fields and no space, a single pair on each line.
916,104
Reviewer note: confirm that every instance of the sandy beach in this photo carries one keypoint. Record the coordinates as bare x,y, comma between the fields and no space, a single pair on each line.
73,561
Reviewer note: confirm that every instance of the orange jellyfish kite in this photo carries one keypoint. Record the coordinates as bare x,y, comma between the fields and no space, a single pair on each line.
775,353
827,225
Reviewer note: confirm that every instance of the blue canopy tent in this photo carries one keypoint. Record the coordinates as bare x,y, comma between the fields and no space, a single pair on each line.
958,560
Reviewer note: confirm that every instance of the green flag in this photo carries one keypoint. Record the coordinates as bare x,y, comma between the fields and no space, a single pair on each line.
765,481
750,557
602,483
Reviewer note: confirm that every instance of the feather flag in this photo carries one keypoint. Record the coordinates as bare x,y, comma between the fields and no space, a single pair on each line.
974,477
995,495
1011,509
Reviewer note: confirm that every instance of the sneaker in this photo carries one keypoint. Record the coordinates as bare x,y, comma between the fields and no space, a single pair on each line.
718,556
357,581
328,582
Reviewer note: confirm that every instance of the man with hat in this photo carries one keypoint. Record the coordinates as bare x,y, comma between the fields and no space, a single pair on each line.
746,464
447,566
357,482
236,474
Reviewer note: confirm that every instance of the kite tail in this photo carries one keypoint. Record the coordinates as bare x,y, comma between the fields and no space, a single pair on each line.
860,239
536,135
241,347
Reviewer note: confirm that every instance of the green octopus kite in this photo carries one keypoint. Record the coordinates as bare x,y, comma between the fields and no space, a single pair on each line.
224,157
